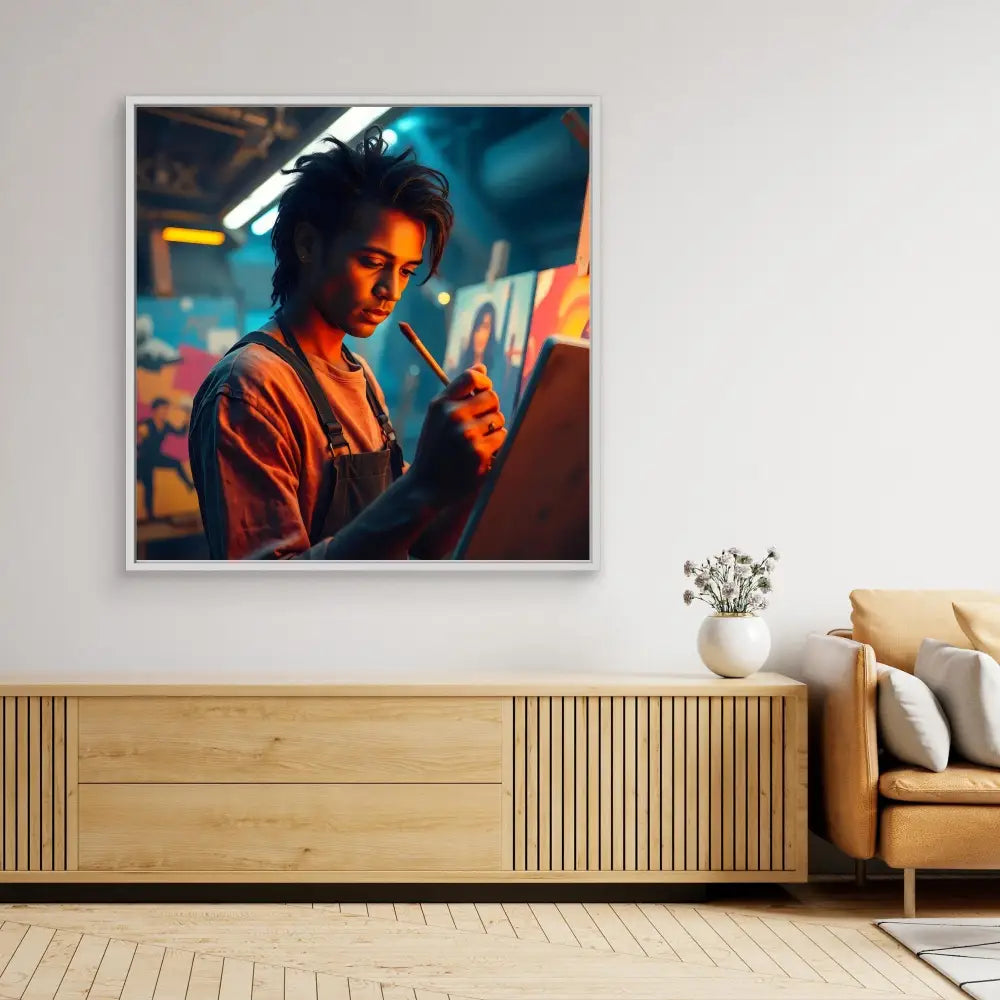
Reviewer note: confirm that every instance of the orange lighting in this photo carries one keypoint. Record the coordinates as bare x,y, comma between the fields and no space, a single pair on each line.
209,237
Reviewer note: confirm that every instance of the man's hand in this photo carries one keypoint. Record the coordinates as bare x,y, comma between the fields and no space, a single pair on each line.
462,432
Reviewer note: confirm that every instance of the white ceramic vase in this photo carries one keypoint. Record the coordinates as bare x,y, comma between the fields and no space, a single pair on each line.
734,645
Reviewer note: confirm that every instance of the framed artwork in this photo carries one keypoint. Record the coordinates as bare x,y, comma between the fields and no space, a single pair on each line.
277,419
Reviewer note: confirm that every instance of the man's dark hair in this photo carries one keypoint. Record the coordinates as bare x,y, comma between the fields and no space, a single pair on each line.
158,402
332,185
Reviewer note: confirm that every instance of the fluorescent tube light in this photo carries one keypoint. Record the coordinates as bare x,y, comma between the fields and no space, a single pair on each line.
346,127
264,223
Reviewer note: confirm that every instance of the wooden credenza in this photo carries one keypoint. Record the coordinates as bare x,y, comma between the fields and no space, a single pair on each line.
563,778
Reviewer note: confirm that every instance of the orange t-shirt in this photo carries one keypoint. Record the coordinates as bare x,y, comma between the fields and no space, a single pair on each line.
259,453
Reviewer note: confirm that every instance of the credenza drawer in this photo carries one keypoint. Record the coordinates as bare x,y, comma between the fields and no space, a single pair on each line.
293,739
316,827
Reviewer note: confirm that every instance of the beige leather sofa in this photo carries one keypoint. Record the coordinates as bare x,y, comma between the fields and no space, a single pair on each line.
860,799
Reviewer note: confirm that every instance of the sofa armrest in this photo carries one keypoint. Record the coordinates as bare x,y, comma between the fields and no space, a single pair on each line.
844,633
843,749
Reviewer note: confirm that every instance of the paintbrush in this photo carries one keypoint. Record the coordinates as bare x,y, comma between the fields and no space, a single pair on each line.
423,352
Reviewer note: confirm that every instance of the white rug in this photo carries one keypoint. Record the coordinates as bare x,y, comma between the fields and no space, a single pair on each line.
967,951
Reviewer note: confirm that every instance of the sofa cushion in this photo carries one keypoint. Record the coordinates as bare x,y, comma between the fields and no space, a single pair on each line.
895,622
961,783
911,723
967,683
914,835
980,621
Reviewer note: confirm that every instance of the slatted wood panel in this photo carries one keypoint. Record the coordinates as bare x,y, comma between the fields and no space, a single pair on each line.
706,784
39,788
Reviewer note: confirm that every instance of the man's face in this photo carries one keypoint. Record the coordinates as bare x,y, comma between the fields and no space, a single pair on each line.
359,278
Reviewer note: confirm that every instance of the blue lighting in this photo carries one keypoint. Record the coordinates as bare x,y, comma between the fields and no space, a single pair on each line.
265,223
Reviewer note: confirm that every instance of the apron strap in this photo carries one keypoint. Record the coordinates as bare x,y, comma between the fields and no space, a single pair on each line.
331,426
388,432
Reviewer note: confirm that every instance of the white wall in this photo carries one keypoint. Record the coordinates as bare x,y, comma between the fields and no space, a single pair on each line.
800,219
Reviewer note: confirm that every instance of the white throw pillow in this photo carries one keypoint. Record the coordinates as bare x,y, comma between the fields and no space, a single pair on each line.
967,683
911,723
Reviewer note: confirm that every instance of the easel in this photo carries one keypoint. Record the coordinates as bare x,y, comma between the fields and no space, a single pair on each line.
500,251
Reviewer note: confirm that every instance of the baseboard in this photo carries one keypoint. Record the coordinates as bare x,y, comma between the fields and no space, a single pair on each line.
355,893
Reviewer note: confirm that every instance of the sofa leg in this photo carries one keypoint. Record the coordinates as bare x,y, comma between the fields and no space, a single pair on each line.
860,872
909,892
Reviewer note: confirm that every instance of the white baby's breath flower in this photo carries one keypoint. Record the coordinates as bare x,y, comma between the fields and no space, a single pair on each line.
731,581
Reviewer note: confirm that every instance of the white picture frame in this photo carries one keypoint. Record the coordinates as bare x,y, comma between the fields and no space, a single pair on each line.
134,564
